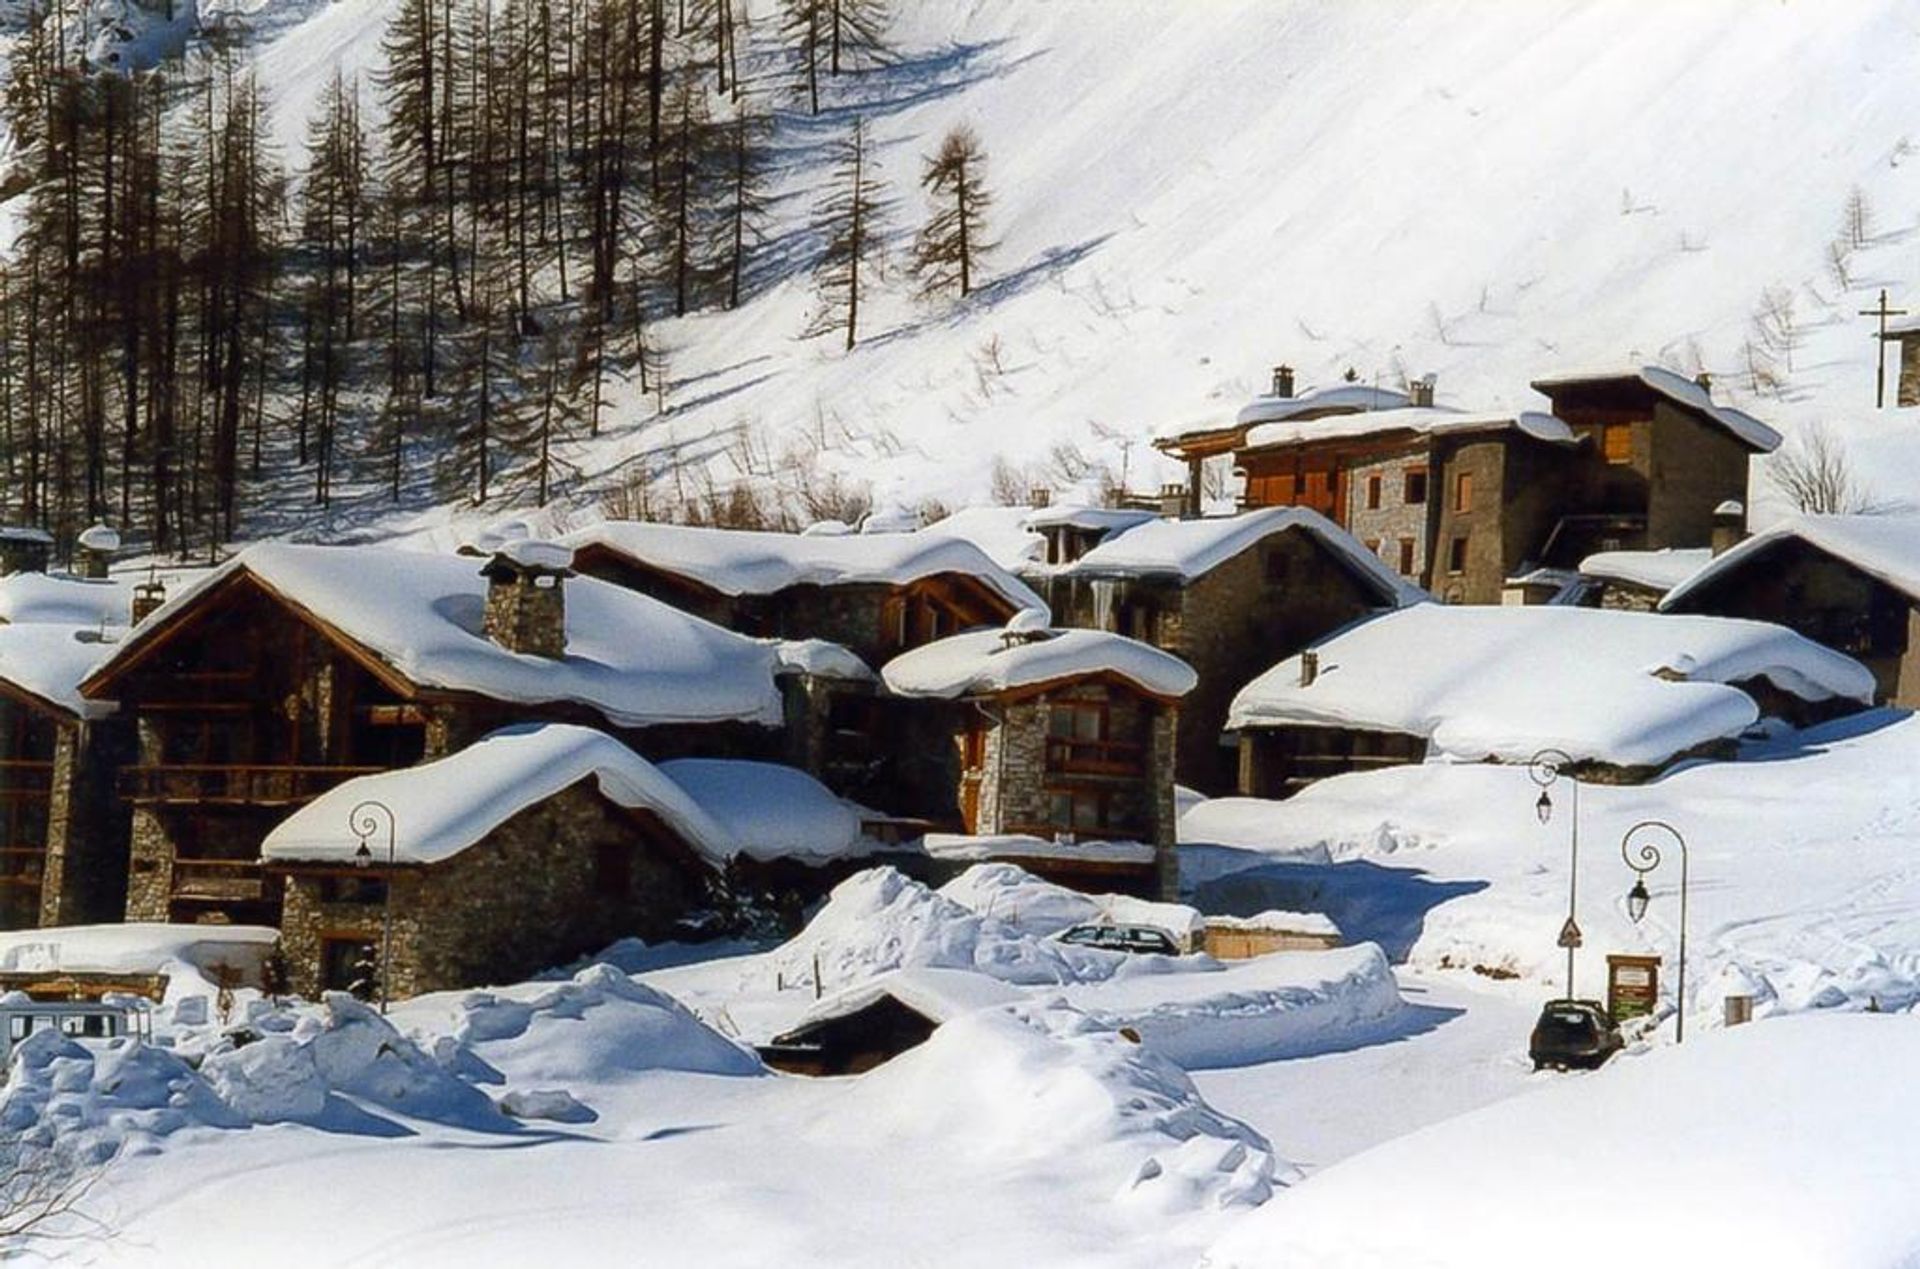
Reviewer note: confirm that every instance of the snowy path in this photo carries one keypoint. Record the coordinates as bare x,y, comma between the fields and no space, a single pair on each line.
1457,1050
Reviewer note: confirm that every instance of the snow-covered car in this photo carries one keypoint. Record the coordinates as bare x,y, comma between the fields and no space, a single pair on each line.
1573,1033
1145,939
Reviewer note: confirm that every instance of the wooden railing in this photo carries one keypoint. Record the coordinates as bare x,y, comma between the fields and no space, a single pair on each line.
22,865
1095,757
219,880
25,778
238,785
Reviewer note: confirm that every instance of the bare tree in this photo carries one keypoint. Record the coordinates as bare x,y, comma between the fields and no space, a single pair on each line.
1816,474
851,222
953,239
41,1189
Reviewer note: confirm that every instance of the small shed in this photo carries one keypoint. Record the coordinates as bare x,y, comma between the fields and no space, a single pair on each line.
1230,938
857,1029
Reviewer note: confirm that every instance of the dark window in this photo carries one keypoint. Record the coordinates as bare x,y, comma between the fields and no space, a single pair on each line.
346,965
1457,555
1416,486
1373,493
1406,557
612,867
352,888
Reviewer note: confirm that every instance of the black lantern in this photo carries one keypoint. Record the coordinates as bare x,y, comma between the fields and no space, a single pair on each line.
1637,901
363,858
1544,807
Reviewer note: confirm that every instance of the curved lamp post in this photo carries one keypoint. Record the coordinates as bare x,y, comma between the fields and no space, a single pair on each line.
1546,768
1641,849
364,820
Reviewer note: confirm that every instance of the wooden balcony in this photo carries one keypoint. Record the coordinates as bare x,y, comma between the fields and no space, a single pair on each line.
1095,757
25,779
219,880
207,784
22,865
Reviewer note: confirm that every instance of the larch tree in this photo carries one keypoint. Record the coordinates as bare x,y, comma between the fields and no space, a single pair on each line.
949,246
851,222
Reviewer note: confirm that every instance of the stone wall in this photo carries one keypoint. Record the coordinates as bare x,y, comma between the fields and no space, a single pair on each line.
537,892
1908,391
1395,519
1483,574
526,609
150,867
1696,466
1619,596
85,881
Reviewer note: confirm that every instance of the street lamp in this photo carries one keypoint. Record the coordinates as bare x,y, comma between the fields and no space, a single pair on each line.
1641,849
1546,768
364,820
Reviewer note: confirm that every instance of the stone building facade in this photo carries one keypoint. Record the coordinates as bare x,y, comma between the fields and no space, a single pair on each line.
560,880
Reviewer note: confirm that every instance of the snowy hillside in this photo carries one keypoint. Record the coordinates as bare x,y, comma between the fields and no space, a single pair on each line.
1188,194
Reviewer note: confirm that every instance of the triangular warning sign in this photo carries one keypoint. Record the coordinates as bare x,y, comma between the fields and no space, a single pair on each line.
1570,934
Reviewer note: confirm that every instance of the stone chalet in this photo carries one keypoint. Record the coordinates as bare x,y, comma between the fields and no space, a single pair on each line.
531,847
1851,582
1461,502
291,670
1228,595
1624,694
1060,742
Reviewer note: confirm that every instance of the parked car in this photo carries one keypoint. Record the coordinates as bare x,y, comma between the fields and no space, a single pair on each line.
1573,1033
1145,939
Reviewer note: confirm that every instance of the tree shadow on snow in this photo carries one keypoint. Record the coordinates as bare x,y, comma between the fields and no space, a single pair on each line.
1369,902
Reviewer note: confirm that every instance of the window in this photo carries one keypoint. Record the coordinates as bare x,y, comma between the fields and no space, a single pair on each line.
1416,486
1457,555
1463,491
1406,557
1373,493
347,964
612,868
1616,442
1077,810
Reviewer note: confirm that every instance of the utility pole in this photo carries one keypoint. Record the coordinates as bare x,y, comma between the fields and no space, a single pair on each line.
1882,312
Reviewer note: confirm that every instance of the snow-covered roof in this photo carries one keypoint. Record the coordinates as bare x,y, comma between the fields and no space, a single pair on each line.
977,848
50,661
443,807
1655,570
638,661
138,947
1681,391
935,994
65,600
769,811
1000,532
987,661
822,659
1351,397
1504,682
744,562
1884,547
100,537
1190,548
1098,519
1279,919
535,553
1420,420
25,533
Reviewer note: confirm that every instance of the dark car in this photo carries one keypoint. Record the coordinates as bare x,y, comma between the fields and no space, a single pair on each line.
1121,938
1573,1033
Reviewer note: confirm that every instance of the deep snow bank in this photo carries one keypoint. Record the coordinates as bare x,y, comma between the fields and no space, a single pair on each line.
1783,1143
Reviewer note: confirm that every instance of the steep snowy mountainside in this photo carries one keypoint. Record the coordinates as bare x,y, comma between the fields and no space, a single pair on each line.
1188,194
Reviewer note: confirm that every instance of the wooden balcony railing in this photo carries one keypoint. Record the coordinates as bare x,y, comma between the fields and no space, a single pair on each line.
24,778
219,880
1095,757
198,783
22,865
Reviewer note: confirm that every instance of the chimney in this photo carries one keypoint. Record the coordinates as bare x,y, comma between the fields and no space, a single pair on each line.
147,596
1309,667
1705,381
97,547
1283,381
1039,496
526,597
1420,392
24,549
1729,526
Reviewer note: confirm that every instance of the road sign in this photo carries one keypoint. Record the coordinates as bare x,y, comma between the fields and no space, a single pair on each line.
1570,935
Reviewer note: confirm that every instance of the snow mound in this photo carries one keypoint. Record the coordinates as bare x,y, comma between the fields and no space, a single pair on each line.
1787,1142
987,661
1256,1010
1046,1092
881,920
770,811
1038,907
272,1080
357,1051
95,1100
597,1027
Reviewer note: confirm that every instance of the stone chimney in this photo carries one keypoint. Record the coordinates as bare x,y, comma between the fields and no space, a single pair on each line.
526,597
24,549
1420,392
1039,496
1729,525
1309,668
1283,381
97,547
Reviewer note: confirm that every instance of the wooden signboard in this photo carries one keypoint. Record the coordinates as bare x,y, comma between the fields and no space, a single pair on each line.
1633,985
